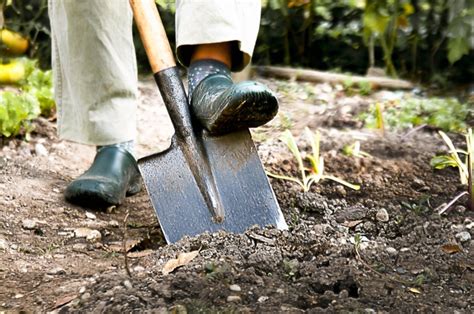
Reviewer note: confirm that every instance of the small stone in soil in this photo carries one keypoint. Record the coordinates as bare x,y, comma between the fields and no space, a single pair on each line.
79,247
235,288
262,299
392,251
89,234
56,271
28,224
382,215
341,190
94,235
138,269
463,236
90,215
233,298
114,223
418,183
128,284
3,245
40,150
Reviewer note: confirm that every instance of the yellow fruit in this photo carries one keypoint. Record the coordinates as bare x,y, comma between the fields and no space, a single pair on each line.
14,42
12,72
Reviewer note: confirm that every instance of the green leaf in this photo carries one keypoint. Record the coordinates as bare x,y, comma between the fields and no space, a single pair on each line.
343,182
288,178
16,112
457,47
375,22
443,161
289,140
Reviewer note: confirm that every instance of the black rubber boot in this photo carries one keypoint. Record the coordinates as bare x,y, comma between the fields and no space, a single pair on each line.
224,107
112,176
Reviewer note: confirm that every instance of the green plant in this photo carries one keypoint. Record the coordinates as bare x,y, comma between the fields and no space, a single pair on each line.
290,267
315,173
285,121
382,21
39,83
454,160
34,97
354,150
459,28
419,207
447,114
365,88
16,113
379,118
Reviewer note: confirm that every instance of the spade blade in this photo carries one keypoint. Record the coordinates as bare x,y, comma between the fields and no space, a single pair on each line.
245,193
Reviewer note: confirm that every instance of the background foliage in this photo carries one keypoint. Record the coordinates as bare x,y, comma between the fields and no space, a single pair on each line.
416,38
429,40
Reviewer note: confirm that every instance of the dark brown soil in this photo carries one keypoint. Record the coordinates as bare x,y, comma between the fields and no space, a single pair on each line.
383,248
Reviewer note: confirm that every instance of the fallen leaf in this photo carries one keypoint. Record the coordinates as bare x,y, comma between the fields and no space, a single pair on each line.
352,224
183,259
451,248
64,300
414,290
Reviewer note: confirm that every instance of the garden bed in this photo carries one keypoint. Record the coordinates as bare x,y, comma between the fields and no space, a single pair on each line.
381,248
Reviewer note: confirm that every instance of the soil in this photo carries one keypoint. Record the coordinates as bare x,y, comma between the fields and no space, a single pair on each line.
383,248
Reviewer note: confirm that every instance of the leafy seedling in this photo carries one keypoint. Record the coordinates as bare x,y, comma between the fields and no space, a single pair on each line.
354,150
419,207
454,160
379,118
315,173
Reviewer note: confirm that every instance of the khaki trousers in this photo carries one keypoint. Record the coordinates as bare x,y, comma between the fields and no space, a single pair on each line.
94,63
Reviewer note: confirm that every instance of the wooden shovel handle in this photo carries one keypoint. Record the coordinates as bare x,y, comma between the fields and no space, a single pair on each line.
153,35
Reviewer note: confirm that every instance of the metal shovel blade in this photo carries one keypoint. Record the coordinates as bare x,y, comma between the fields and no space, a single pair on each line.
245,193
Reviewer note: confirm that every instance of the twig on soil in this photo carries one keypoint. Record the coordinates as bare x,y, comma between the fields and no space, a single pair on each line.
444,208
418,128
124,244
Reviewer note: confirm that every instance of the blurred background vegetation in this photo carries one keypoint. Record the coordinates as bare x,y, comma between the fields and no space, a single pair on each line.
425,40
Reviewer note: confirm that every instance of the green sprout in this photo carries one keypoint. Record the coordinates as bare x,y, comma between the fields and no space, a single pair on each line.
355,151
464,167
379,123
315,173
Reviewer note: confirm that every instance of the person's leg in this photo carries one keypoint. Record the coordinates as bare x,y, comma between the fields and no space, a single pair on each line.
214,37
95,79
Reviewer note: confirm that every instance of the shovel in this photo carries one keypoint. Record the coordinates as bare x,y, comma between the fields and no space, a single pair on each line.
201,182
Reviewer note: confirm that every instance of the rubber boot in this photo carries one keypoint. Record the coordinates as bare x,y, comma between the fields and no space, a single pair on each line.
224,107
112,176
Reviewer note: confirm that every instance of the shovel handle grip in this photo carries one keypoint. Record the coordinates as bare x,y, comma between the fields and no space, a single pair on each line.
153,35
